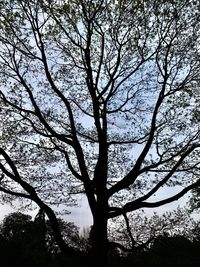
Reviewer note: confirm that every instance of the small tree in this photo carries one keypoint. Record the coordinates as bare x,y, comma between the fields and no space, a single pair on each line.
17,227
22,241
99,98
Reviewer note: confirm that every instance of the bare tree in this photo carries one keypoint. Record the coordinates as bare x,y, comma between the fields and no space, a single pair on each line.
99,98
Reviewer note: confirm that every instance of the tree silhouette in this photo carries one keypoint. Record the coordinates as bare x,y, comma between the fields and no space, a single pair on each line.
99,98
21,239
174,251
16,226
31,242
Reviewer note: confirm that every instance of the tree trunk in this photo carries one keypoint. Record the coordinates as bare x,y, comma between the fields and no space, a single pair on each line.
99,240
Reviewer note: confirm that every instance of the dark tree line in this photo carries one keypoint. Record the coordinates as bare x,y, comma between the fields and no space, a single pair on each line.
170,242
27,242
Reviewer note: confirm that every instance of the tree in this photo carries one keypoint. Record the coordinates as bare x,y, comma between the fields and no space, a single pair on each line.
32,241
16,226
99,98
21,239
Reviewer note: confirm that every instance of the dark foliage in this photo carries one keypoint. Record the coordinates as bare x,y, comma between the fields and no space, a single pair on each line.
25,242
167,252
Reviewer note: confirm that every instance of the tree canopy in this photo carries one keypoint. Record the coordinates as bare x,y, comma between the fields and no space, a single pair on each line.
99,98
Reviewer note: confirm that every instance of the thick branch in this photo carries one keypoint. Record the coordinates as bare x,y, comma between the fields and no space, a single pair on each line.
135,205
